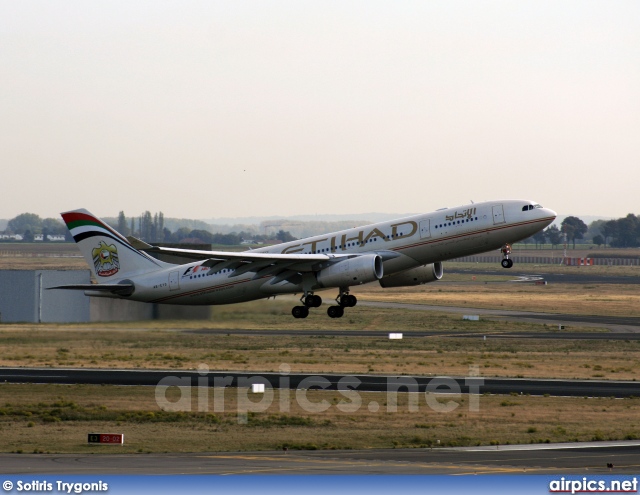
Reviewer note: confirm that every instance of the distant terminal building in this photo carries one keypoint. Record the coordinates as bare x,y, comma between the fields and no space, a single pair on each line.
24,298
50,238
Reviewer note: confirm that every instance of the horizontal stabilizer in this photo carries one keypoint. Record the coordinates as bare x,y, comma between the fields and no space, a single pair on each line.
139,244
120,289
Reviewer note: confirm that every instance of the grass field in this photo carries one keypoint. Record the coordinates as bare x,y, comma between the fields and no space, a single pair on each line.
186,345
57,418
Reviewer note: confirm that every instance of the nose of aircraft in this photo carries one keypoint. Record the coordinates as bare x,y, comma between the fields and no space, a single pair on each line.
550,213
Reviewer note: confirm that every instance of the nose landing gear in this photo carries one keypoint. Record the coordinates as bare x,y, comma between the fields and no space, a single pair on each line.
506,251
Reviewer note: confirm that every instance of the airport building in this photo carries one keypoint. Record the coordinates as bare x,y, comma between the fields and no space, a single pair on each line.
24,298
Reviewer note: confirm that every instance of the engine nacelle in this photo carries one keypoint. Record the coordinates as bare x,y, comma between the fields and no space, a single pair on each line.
353,271
415,276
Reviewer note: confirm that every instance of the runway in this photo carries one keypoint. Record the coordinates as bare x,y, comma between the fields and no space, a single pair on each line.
361,383
581,276
412,334
589,458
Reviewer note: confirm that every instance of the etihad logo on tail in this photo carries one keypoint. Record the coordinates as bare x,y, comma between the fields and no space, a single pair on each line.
105,259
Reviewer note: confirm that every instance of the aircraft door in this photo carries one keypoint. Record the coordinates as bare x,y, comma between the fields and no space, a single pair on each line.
425,229
498,214
174,280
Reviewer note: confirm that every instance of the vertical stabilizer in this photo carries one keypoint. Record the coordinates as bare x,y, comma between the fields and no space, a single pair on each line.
109,255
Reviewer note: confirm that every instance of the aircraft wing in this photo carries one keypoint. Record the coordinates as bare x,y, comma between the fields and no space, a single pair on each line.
283,266
247,261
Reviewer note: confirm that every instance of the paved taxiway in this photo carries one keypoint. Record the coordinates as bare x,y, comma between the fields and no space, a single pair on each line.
614,323
581,276
559,458
361,383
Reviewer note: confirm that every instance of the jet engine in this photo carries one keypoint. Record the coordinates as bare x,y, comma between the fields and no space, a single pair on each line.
415,276
352,271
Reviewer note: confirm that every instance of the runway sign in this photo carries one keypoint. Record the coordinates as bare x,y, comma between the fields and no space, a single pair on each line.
257,388
106,438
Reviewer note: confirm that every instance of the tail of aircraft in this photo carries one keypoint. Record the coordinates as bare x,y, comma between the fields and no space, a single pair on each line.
110,255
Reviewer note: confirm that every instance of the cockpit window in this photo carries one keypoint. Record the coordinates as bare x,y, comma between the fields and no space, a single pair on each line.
530,207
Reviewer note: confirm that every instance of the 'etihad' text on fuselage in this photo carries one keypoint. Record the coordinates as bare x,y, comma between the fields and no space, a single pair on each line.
359,239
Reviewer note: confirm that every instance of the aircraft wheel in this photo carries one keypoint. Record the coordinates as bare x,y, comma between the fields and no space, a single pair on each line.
506,263
300,312
335,311
313,301
348,301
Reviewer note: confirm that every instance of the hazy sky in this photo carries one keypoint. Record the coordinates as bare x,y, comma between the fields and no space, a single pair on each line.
205,109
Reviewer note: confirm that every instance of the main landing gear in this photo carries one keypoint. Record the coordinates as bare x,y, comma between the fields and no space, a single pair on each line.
506,251
344,300
310,300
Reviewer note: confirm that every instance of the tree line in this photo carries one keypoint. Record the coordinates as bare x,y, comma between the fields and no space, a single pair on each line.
621,232
147,227
571,227
29,224
150,228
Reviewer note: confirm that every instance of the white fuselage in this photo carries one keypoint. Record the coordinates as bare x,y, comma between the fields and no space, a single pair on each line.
416,241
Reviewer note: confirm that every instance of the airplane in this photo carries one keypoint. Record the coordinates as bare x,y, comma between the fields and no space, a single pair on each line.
399,253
